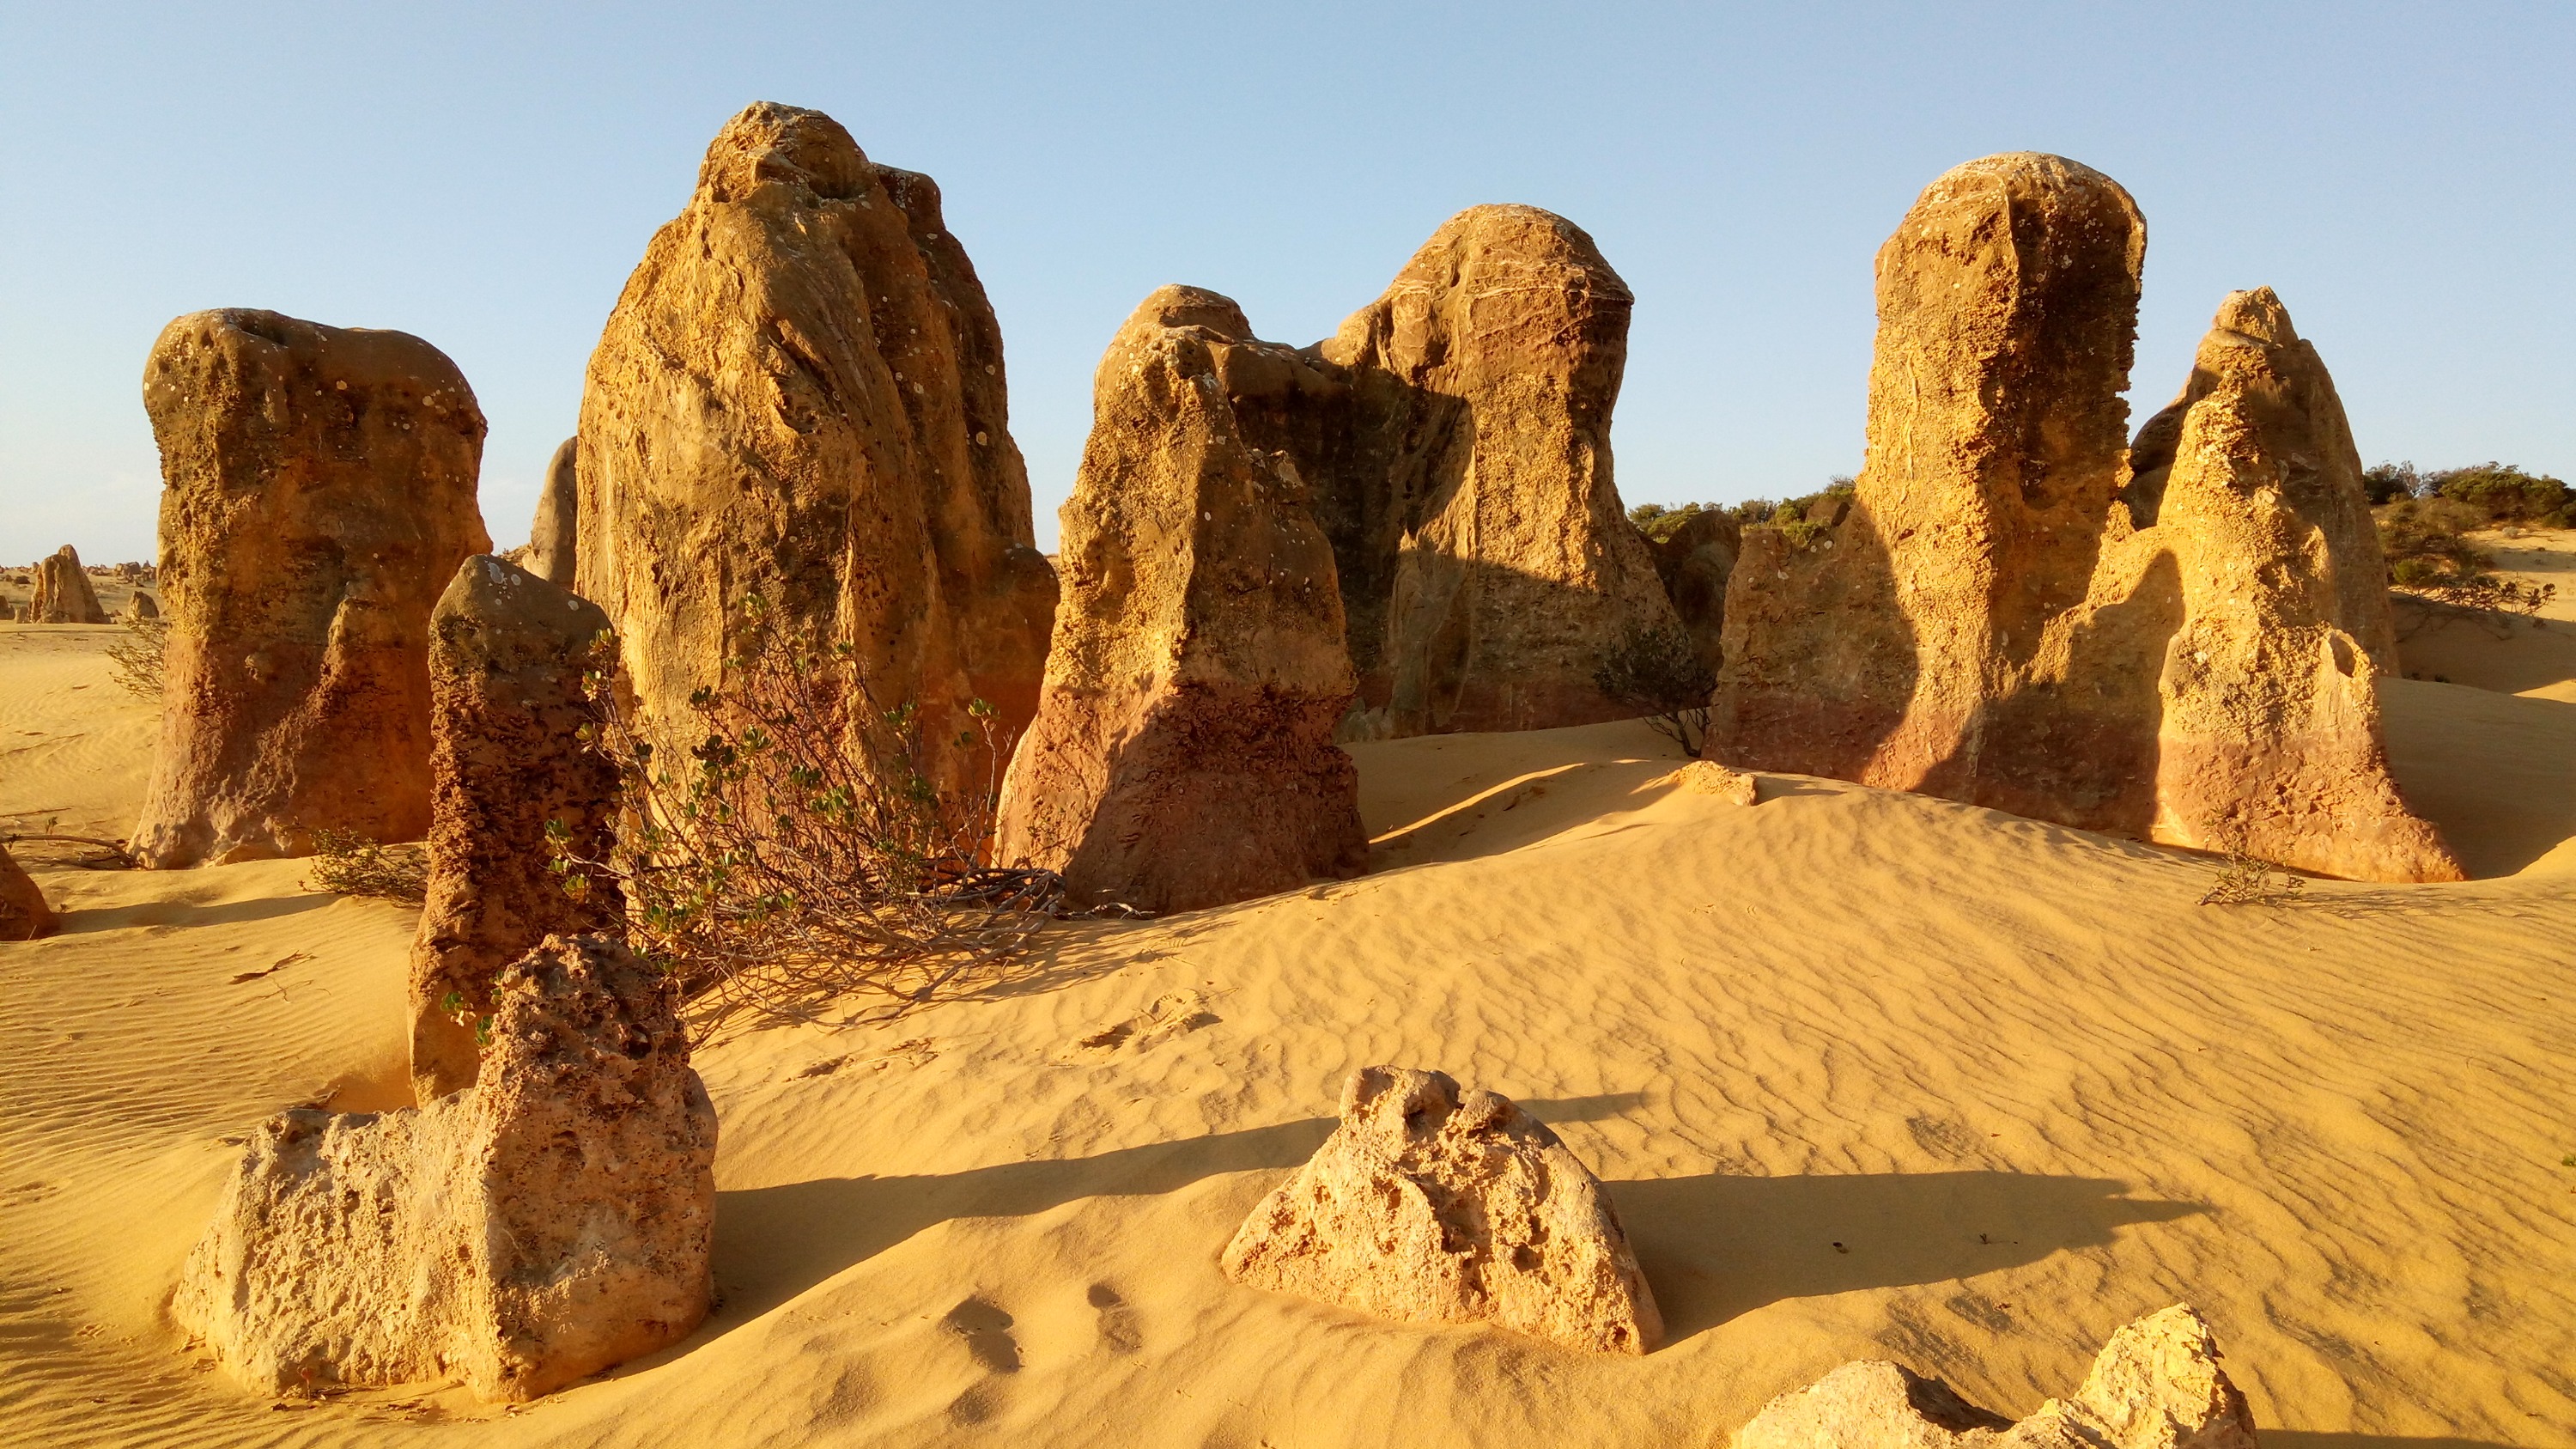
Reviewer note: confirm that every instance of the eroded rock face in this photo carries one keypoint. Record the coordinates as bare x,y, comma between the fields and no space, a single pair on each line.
1430,1204
2156,1385
2269,738
63,592
24,916
141,607
552,1221
1183,751
800,396
2017,614
318,493
1485,559
1694,562
1893,650
506,655
554,537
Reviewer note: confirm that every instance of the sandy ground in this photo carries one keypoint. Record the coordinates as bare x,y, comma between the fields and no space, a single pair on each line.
1867,1074
2533,656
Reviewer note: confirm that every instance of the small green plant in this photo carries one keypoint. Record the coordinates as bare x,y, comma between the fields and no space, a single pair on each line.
460,1011
137,658
2247,880
349,864
810,848
1659,672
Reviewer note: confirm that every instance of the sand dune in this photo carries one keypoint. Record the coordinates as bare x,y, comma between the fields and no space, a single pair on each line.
1866,1074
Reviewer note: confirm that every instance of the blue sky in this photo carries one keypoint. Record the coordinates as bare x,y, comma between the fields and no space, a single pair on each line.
485,176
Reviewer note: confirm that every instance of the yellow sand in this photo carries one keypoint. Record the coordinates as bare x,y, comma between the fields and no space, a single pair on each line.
2533,656
1867,1074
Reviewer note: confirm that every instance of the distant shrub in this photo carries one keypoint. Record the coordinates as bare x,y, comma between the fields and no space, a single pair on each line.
2423,540
1659,672
2497,492
1800,518
2506,494
349,864
1659,523
2388,482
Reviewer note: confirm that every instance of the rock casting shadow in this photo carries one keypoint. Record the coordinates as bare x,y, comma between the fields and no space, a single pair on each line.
1719,1246
175,914
773,1243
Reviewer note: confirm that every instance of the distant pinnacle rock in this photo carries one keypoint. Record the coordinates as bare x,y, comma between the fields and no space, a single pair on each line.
63,592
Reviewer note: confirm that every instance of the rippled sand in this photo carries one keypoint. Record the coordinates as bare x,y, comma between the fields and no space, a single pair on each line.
1867,1074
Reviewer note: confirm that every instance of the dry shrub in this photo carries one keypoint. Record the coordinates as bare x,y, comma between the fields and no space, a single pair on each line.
802,854
349,864
1659,671
2247,880
137,658
2435,568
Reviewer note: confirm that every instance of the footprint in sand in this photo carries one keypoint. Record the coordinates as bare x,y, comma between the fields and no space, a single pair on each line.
1173,1014
987,1331
1118,1330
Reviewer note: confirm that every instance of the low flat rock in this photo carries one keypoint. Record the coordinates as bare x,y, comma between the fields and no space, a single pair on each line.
2156,1385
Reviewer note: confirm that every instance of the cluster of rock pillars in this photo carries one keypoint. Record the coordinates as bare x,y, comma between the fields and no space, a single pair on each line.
1270,551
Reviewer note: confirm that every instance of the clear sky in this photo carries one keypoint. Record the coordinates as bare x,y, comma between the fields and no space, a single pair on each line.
486,175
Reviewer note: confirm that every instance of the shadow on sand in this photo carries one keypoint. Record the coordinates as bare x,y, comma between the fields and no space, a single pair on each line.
1719,1246
2306,1440
1713,1247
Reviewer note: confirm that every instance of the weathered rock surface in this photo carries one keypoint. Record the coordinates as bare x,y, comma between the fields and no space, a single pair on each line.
1894,650
141,607
24,916
1485,560
319,492
554,537
800,396
2019,614
552,1221
2156,1385
2269,738
506,655
1708,777
1183,750
1695,561
63,592
1430,1204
